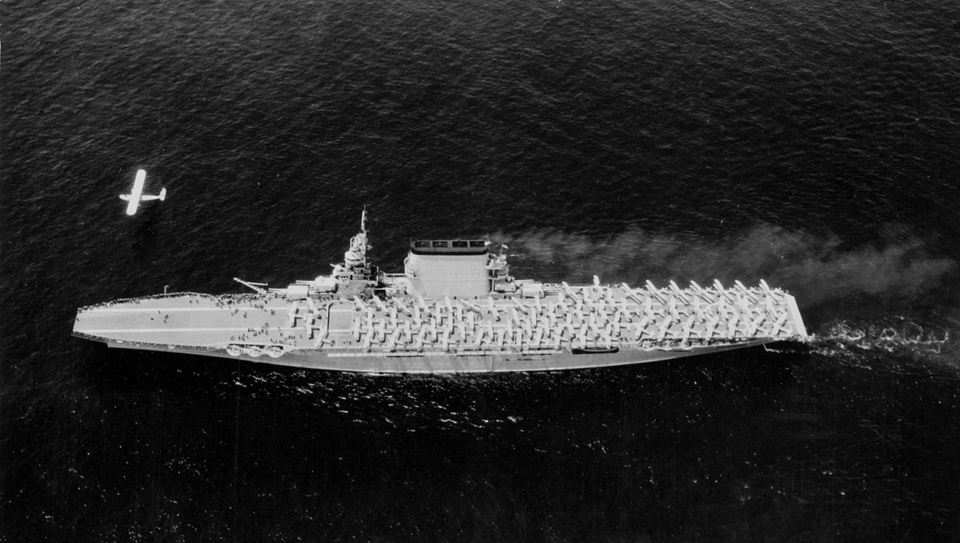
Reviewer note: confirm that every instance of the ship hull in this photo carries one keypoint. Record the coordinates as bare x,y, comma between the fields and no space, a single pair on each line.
445,363
444,337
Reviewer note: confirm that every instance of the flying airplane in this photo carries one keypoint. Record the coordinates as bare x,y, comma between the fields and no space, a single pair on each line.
136,195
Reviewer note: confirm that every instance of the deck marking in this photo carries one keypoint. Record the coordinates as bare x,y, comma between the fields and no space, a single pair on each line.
177,309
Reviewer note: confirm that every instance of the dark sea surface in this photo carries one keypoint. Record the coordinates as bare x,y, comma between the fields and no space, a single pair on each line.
814,144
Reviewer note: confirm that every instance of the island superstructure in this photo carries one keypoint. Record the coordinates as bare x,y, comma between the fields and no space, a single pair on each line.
454,309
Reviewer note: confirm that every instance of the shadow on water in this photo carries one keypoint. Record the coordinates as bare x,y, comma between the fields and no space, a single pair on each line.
146,240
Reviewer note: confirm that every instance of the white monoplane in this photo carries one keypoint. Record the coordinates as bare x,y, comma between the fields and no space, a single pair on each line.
136,195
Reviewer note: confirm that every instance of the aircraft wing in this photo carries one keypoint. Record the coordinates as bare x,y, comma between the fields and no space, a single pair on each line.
138,185
133,198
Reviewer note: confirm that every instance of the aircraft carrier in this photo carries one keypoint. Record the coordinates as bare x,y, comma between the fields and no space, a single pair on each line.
454,309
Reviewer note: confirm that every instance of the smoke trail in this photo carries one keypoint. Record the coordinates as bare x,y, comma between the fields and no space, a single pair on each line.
816,269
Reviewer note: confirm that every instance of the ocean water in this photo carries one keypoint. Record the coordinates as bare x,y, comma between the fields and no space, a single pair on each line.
812,144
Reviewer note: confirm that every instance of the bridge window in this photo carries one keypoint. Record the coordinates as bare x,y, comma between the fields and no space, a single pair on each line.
477,244
459,243
421,243
439,243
